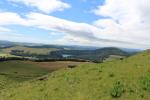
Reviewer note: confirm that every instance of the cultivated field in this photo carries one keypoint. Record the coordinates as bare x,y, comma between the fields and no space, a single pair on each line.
52,66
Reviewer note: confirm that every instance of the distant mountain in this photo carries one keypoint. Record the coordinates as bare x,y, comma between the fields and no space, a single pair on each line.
5,44
131,50
64,47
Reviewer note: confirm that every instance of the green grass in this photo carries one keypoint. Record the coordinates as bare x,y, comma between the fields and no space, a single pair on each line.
114,57
20,71
29,50
91,82
14,73
6,55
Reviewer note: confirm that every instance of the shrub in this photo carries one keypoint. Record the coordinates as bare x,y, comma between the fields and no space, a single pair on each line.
145,82
111,75
72,66
131,90
43,78
118,90
142,95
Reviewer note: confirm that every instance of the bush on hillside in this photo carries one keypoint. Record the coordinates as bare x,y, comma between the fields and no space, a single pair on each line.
111,75
118,90
72,66
145,82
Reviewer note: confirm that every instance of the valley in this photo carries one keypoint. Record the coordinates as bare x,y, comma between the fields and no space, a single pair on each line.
110,73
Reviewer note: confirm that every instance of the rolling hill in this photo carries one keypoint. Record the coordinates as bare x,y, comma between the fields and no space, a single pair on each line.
127,79
42,51
46,52
30,50
93,55
7,44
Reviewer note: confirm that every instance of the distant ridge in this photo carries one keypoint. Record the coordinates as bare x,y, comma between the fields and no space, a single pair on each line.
5,43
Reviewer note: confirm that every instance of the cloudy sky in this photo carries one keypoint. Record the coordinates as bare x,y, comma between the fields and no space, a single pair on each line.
120,23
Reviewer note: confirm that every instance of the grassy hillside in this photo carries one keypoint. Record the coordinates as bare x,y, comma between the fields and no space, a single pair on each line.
25,70
45,52
4,55
29,50
97,55
127,79
13,73
20,70
114,57
7,55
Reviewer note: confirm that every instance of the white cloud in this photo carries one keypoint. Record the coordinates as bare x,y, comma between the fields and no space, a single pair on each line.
127,20
49,23
57,24
46,6
3,29
18,37
102,33
7,18
76,30
72,40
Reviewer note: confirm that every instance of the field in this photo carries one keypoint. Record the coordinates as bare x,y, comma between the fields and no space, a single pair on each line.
20,70
6,55
29,50
26,70
127,79
52,66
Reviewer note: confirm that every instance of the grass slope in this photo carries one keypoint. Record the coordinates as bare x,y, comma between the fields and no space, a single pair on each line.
29,50
13,73
20,70
7,55
114,57
127,79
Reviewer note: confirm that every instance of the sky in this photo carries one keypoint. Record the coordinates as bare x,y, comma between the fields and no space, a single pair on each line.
102,23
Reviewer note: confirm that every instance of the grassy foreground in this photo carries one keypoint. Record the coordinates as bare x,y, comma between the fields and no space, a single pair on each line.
127,79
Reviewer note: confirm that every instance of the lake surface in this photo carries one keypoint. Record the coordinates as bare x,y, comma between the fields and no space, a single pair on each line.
66,55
